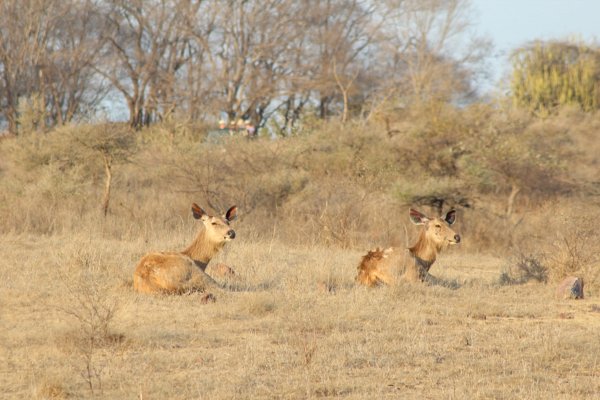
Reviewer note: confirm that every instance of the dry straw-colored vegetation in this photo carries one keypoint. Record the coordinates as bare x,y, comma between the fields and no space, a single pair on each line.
293,324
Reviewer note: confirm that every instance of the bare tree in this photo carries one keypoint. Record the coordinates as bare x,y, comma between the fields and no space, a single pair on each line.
340,33
252,59
433,52
46,52
67,78
24,33
246,57
276,57
146,47
195,86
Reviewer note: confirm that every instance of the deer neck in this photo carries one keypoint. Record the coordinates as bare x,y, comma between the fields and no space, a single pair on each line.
424,251
202,250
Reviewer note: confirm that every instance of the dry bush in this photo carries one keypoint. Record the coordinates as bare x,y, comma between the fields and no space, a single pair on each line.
583,131
172,131
293,185
254,175
511,155
33,177
576,250
346,185
481,157
526,268
66,170
338,213
92,308
558,233
435,144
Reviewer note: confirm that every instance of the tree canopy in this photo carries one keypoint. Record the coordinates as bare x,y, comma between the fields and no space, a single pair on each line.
208,60
547,75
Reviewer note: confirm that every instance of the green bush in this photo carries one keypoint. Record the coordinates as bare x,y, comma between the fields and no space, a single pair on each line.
547,75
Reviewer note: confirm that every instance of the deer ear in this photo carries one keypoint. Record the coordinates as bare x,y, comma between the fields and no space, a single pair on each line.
416,217
450,217
231,214
197,211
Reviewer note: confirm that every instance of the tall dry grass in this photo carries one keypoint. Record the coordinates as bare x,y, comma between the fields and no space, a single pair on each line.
281,335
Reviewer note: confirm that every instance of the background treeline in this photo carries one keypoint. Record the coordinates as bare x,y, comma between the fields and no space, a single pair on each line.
199,60
272,62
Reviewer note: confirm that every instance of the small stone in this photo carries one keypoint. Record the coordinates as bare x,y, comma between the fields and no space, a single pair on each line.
570,288
208,298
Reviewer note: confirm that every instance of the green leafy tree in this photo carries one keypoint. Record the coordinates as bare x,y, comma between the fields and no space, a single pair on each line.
547,75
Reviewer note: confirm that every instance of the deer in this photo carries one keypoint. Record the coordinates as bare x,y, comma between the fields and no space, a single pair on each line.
386,266
185,271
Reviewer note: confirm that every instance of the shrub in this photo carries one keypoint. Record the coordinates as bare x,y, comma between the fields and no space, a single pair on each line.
575,250
526,268
547,75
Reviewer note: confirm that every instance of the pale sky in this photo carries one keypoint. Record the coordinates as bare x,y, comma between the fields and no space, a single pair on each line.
512,23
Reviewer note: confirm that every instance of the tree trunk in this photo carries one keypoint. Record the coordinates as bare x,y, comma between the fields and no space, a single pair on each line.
107,182
11,111
511,200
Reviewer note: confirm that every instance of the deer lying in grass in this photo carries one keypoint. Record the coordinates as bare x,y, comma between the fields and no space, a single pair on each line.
385,266
171,272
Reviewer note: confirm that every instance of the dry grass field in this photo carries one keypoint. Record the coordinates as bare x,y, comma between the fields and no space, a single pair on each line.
281,334
292,323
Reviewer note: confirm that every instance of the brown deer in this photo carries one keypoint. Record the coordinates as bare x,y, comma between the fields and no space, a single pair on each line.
172,272
385,266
